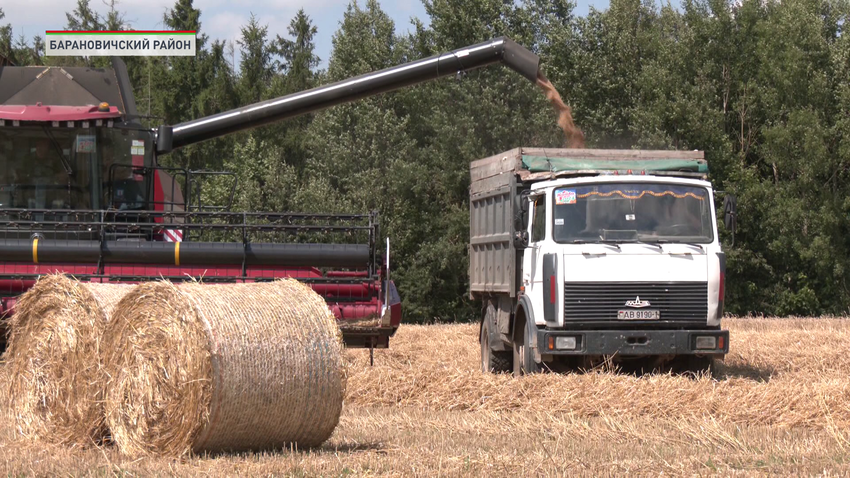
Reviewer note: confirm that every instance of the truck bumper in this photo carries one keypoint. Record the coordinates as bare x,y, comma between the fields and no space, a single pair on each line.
633,342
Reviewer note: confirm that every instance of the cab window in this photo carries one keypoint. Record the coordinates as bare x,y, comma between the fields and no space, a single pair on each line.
538,222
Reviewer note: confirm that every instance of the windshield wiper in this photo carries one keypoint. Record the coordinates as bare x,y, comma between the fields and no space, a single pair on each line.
653,244
611,243
658,243
65,163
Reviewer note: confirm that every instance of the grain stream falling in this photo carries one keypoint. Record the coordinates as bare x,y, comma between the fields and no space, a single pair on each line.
574,136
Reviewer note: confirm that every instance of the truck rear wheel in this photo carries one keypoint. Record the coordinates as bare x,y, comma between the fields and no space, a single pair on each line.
493,361
524,362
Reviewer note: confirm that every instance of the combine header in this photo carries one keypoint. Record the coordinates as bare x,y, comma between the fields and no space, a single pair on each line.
82,192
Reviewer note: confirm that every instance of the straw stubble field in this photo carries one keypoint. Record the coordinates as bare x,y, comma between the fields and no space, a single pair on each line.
779,404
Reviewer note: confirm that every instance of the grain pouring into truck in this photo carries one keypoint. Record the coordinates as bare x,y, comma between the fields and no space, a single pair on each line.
574,136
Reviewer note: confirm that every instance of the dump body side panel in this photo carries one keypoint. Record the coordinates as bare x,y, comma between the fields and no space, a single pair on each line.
492,202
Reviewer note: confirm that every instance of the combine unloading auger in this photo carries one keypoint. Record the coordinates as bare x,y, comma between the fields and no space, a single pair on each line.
501,50
129,221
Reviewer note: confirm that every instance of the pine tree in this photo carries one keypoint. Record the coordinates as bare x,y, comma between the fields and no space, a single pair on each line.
258,64
6,39
83,18
299,60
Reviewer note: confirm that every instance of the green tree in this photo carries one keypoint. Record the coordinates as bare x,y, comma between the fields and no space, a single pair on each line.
84,18
298,72
371,48
191,87
5,38
17,50
114,19
299,59
258,64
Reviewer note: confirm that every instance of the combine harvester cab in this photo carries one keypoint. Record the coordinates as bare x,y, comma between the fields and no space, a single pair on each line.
82,192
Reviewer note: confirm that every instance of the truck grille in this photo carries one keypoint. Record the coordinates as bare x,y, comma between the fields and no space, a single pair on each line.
675,301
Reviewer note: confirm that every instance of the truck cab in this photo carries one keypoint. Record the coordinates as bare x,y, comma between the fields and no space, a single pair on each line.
616,257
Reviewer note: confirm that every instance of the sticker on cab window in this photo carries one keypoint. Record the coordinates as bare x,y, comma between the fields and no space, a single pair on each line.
137,148
559,221
565,196
630,217
85,143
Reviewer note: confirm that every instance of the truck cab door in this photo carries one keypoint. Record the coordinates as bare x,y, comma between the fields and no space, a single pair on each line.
532,277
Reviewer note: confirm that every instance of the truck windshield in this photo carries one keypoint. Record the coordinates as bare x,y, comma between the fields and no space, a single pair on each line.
632,212
48,167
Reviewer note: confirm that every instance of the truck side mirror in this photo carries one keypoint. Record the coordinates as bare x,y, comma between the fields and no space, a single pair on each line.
730,215
521,240
523,202
521,213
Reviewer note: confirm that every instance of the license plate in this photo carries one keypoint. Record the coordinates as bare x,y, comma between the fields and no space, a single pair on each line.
638,314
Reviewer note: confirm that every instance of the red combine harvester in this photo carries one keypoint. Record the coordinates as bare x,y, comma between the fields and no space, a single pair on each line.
82,193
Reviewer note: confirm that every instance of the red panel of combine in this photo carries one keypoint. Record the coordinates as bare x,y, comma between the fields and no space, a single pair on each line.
57,113
17,286
272,272
348,301
152,271
348,274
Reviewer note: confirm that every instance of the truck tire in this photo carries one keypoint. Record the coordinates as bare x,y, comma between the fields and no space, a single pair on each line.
692,364
524,363
493,361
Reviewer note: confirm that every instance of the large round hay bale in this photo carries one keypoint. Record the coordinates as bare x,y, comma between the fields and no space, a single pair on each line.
52,359
209,368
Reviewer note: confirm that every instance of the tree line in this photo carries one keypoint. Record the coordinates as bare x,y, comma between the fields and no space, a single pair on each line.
762,86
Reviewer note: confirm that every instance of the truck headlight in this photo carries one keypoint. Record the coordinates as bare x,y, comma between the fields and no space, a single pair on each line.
706,343
565,343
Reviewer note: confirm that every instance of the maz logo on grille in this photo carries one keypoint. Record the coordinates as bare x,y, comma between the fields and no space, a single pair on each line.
637,303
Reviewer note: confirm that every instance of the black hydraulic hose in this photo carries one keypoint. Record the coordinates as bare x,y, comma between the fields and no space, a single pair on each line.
500,49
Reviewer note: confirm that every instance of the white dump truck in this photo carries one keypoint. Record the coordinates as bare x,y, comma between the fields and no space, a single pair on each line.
585,256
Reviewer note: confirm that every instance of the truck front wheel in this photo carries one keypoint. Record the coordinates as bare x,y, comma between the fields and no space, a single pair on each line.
692,364
524,362
491,360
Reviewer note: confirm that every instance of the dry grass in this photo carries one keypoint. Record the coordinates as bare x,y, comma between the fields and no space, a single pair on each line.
53,357
222,367
779,405
786,373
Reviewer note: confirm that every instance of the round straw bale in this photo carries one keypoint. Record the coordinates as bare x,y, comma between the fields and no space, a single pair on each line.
52,359
208,368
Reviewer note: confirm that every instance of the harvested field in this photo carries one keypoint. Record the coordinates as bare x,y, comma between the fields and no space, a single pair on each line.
780,404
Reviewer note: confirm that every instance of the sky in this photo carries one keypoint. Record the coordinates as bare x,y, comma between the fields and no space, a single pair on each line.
222,19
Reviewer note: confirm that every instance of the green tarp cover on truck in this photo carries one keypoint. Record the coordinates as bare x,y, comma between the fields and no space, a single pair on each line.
541,164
